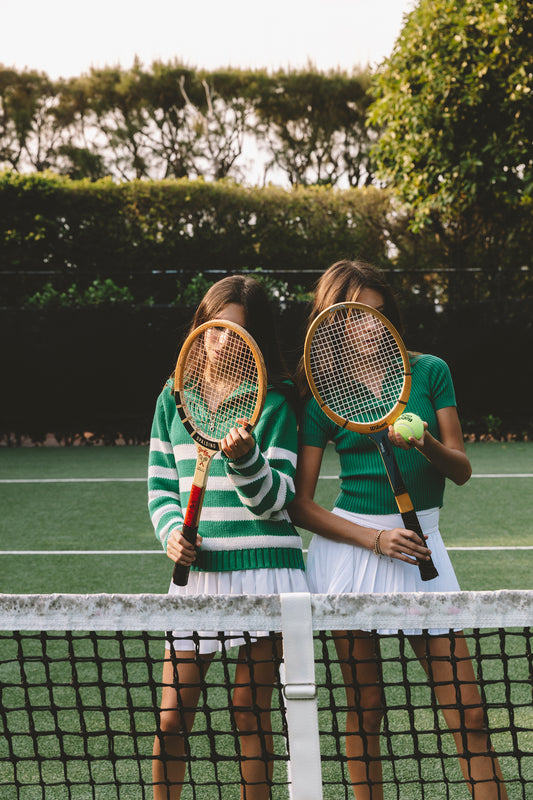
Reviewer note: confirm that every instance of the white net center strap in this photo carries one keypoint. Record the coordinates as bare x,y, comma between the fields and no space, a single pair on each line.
301,697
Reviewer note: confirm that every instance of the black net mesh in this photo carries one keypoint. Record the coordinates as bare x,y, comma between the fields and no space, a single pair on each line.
80,711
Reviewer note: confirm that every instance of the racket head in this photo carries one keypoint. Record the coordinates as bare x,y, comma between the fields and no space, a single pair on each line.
220,377
357,367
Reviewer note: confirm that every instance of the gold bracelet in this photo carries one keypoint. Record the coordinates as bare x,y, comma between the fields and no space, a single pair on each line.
377,548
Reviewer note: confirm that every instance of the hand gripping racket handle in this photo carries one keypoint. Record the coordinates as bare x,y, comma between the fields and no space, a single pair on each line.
180,576
428,570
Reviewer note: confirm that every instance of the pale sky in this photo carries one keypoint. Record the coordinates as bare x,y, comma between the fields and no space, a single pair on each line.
67,37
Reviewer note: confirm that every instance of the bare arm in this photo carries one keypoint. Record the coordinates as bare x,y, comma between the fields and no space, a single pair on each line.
447,455
306,513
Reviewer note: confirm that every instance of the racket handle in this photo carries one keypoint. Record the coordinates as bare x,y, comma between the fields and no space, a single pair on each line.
180,576
428,570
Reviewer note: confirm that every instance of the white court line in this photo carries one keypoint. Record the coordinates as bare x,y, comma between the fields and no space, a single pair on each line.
505,475
143,480
497,547
162,552
73,480
480,475
80,552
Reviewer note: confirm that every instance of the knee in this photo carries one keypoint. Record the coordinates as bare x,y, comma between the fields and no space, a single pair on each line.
246,720
170,723
368,713
370,721
473,720
250,710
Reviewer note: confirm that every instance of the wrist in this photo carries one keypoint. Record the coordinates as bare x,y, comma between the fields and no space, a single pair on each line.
426,447
243,460
377,546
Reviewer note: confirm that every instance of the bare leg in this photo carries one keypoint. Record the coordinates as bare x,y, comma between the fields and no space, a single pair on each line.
359,658
448,662
255,676
181,689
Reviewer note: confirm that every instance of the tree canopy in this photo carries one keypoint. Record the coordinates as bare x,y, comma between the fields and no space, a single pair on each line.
172,121
454,107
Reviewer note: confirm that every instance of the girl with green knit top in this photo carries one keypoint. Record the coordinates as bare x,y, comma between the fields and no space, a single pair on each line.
344,555
246,544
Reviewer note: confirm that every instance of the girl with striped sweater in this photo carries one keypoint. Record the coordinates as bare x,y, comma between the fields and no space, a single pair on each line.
246,545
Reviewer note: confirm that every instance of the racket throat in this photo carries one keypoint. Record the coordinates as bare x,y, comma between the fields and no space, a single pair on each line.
199,482
381,440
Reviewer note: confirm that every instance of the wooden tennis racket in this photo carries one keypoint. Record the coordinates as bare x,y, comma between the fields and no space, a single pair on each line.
219,383
359,373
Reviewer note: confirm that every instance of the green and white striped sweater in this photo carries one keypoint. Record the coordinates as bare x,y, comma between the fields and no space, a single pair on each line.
244,522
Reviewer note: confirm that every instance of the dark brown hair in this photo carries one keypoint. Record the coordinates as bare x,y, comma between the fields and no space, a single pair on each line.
258,313
342,282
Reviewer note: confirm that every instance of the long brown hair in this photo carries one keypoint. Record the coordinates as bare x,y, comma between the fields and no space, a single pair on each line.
342,282
258,313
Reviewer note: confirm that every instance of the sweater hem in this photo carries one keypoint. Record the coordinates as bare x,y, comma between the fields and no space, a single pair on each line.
263,558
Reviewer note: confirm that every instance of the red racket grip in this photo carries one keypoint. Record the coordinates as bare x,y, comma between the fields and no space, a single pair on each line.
180,576
428,570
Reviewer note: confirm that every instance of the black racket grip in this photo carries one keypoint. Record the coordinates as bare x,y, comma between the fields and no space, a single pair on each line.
428,570
180,576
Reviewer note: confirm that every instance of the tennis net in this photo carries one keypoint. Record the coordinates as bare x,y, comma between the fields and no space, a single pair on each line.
81,682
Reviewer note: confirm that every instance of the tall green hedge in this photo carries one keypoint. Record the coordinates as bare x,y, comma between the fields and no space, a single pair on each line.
50,224
146,235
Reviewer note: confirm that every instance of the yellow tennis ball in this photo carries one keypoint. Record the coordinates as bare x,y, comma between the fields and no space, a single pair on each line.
409,425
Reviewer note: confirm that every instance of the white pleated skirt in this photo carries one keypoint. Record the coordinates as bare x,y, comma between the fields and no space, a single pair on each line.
337,568
246,581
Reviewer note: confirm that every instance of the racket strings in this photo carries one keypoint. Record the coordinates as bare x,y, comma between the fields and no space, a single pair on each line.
356,365
220,382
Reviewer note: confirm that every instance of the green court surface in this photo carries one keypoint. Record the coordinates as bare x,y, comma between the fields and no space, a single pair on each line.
88,505
75,520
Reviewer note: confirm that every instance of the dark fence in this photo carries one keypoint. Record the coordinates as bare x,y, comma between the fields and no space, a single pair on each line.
163,286
98,370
